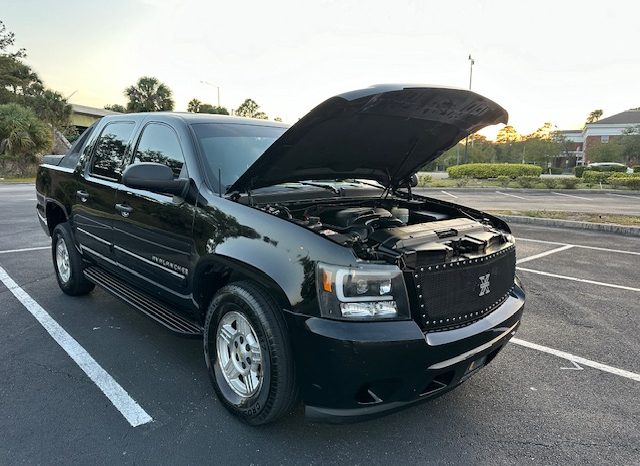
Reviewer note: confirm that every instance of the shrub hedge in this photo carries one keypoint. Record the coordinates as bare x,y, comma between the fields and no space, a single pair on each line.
595,177
636,169
503,180
493,170
424,179
615,168
527,181
580,170
631,180
550,183
569,182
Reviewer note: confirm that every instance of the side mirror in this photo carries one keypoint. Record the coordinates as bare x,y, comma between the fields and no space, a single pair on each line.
413,180
154,177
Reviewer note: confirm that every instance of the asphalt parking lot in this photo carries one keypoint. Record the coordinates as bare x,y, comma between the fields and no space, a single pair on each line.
566,391
605,201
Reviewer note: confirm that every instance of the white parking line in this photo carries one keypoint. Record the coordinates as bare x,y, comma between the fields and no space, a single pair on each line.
595,248
449,194
127,406
512,195
543,254
39,248
571,195
574,279
624,195
578,359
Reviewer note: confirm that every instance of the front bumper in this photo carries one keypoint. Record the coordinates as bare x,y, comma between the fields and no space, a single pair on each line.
351,371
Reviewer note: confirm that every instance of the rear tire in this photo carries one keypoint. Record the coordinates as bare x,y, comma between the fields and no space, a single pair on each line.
67,262
248,354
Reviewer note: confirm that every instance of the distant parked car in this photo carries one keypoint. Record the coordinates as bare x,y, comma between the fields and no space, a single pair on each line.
610,166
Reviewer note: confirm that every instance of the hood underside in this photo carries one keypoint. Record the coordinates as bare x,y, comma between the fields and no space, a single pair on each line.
383,133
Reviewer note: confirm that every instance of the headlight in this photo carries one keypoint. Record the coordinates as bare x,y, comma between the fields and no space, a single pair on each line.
366,292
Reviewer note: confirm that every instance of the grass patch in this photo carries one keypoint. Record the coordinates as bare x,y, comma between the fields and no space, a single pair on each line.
629,220
17,179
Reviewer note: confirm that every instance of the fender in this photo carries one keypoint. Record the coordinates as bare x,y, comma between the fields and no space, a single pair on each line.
280,253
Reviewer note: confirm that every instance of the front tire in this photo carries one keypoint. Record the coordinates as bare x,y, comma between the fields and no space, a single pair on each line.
248,354
67,263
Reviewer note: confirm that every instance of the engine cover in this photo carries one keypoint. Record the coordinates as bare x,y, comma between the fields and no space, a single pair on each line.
352,216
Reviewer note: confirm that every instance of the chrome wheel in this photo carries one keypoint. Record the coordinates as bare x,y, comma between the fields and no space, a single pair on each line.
62,261
239,354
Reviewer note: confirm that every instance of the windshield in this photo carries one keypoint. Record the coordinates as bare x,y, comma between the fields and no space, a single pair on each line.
230,148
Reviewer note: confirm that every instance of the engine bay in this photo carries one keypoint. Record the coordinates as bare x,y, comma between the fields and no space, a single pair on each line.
398,231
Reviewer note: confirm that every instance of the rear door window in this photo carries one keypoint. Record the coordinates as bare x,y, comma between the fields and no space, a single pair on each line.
110,150
159,143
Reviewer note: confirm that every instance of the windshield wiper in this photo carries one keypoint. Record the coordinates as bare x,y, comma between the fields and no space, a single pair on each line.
353,180
318,185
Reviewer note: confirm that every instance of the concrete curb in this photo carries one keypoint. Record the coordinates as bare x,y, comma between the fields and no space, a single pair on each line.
482,189
552,222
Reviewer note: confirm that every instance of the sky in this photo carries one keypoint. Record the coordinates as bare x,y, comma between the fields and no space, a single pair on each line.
543,61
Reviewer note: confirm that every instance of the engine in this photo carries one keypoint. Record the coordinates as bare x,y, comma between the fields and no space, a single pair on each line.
399,234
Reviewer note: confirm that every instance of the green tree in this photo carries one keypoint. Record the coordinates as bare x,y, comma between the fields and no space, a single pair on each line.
611,151
52,108
193,106
594,116
149,95
507,134
116,108
7,40
22,137
16,78
630,142
546,131
250,109
208,108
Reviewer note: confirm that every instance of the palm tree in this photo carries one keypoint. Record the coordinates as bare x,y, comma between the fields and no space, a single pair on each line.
52,108
194,106
22,136
594,116
149,95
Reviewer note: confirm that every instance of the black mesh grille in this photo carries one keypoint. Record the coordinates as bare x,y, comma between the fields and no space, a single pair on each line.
458,293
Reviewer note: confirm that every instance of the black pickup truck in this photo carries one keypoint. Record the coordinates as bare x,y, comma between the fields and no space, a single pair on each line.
299,254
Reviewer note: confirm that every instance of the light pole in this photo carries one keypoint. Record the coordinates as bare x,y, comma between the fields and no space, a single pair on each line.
213,85
466,140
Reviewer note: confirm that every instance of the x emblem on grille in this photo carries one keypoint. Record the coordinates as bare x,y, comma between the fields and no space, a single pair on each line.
484,284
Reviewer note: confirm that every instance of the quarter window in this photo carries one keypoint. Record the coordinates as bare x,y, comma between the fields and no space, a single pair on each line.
159,144
110,149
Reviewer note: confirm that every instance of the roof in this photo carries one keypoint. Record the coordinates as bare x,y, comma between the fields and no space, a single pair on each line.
93,111
190,118
623,118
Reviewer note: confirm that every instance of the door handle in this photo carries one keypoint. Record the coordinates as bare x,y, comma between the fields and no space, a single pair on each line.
124,209
82,195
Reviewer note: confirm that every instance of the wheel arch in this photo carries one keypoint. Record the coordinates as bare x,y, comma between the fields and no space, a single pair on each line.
55,214
214,272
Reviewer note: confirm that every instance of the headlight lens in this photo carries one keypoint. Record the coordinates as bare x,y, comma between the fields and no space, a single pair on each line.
366,292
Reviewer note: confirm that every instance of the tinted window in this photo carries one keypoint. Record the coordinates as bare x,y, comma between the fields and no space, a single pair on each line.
109,152
70,160
159,144
229,149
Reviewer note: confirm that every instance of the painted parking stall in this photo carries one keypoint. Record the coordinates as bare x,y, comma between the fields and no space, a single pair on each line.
547,396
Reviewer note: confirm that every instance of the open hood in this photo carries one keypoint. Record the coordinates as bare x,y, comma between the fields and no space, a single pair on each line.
383,133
